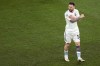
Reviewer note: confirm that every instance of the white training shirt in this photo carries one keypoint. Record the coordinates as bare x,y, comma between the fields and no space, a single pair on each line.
71,26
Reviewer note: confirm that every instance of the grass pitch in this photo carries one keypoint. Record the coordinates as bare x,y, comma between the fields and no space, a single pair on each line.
31,33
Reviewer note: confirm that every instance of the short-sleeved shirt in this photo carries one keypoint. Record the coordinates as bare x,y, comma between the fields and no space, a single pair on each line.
69,25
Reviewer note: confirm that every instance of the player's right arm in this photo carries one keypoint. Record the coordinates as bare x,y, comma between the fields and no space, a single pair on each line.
75,19
67,17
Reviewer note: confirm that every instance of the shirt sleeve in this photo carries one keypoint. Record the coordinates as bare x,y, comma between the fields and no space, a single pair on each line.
77,14
67,17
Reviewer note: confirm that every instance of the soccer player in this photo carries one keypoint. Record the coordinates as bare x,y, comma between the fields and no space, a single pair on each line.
72,16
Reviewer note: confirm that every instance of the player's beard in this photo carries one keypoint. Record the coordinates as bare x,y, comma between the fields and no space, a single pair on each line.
71,10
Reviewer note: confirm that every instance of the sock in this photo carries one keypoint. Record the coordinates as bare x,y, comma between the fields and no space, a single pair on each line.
66,54
78,55
78,52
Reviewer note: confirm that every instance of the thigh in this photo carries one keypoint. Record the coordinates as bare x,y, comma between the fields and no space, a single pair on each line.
76,37
67,37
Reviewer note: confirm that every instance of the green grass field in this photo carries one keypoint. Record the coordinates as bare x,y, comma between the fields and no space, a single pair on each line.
31,33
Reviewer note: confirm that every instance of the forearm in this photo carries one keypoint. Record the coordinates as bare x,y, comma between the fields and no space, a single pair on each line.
78,18
75,20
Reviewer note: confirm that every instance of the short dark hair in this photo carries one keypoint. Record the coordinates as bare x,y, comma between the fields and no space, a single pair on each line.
72,3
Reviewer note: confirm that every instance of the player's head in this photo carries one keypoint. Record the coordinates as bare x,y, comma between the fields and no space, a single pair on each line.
71,6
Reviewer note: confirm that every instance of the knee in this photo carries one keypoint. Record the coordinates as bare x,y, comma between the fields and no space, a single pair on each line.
77,44
67,44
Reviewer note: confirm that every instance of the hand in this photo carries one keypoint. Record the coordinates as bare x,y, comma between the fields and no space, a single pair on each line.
82,16
72,17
